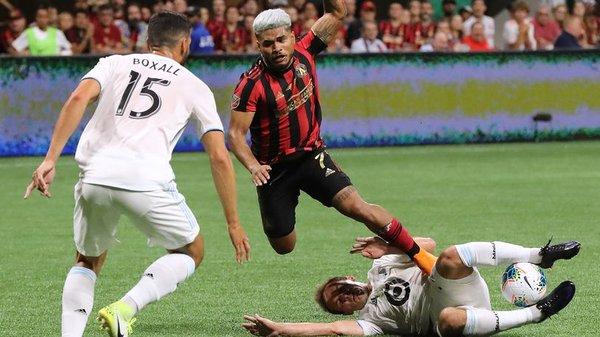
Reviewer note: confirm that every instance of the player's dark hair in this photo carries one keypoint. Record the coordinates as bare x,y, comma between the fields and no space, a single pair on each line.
167,28
320,295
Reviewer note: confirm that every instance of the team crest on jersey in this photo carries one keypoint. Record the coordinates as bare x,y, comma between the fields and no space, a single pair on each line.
301,70
235,101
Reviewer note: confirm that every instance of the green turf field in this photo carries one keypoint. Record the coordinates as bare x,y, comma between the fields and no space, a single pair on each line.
522,193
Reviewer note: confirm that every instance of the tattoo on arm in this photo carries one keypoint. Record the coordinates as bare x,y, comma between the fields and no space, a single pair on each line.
344,194
328,25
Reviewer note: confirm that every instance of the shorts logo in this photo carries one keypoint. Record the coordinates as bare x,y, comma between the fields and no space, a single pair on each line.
235,101
329,172
301,70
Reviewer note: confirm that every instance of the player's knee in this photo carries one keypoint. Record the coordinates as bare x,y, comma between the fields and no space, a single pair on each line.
451,322
283,249
449,259
92,263
283,245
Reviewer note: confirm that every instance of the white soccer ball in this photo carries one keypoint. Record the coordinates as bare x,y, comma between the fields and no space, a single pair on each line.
524,284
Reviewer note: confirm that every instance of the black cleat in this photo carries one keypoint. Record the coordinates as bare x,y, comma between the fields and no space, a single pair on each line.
561,251
557,300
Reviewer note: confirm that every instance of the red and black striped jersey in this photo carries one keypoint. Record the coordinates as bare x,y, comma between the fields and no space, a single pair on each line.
287,112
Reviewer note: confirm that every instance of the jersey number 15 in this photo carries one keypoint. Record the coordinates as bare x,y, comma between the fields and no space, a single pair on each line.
146,91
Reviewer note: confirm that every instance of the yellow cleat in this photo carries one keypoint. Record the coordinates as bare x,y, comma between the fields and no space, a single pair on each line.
117,319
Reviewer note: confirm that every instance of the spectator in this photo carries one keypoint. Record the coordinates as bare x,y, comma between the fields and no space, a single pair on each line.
202,40
448,9
338,45
278,4
204,16
569,38
217,22
368,43
299,4
489,25
16,26
368,13
107,37
306,26
42,39
560,14
294,17
180,6
136,33
250,8
414,7
80,35
146,14
351,21
252,44
52,15
233,37
465,13
65,21
392,30
81,5
519,31
477,42
427,27
456,27
439,44
579,10
309,12
546,30
590,24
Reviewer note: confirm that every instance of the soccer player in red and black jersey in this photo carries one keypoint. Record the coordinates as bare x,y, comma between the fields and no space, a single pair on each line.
278,101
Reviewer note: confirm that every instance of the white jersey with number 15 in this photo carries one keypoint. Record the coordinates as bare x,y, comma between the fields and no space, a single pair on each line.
145,103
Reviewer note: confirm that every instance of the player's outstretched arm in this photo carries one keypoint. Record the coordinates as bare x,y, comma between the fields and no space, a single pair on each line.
67,122
328,25
260,326
224,178
238,128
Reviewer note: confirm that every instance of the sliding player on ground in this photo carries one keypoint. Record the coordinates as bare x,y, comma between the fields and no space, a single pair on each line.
453,301
145,102
278,101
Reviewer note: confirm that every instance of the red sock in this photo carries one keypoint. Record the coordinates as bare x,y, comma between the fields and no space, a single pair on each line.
398,236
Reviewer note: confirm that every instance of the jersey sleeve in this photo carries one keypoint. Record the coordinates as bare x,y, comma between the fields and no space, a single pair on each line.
369,329
312,43
101,72
205,111
245,96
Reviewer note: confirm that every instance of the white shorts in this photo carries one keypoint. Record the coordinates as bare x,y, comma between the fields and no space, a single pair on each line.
162,215
471,291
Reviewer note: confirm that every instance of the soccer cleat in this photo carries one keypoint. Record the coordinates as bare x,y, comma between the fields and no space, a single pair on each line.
116,319
557,300
561,251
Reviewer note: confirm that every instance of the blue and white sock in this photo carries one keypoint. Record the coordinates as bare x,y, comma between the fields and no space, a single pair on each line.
483,322
77,301
496,253
160,279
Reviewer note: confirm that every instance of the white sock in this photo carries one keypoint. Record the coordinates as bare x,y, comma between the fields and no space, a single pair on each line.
483,322
77,300
160,279
475,254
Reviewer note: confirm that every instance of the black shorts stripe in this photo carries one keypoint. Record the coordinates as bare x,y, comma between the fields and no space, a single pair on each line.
271,104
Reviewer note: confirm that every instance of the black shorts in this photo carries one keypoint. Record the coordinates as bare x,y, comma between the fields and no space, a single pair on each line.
314,173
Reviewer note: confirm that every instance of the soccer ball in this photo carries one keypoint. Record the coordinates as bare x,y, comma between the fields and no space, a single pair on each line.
523,284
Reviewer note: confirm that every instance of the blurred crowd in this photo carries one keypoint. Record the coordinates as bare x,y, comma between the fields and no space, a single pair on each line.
119,26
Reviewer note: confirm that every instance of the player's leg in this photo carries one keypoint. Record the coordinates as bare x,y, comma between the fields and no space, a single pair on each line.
277,201
498,253
167,221
94,225
326,182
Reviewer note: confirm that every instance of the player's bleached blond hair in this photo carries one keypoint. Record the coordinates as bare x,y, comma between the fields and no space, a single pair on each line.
271,18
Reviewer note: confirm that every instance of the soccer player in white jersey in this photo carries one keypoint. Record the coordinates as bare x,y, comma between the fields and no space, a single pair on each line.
400,300
144,103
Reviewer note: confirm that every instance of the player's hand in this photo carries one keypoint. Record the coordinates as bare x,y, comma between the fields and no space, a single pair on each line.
372,247
41,179
240,242
260,326
260,174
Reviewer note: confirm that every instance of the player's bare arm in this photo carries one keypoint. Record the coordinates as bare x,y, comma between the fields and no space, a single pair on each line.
328,25
238,128
260,326
375,247
69,118
224,179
